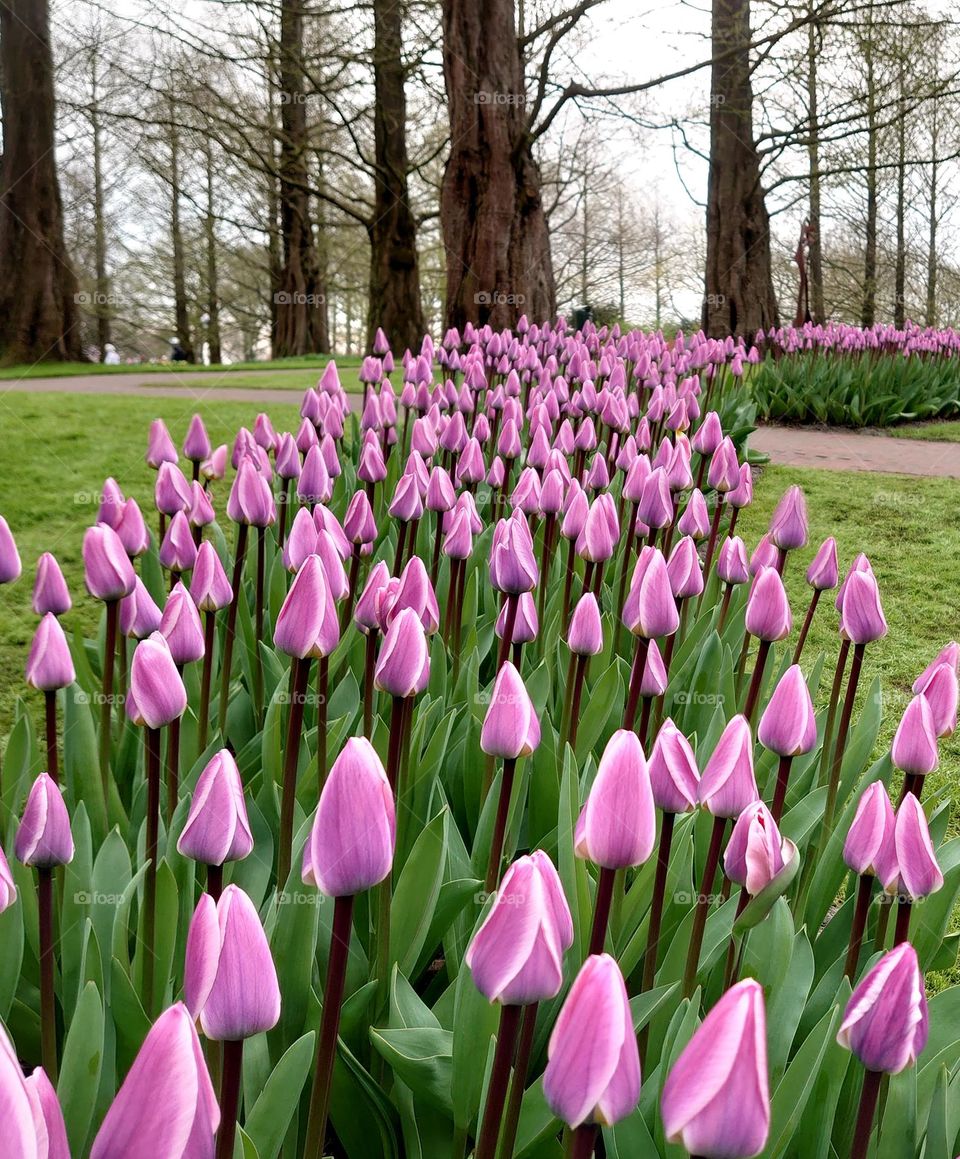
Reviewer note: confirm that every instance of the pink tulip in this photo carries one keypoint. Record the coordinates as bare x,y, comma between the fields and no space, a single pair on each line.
617,826
674,777
510,728
49,665
728,784
886,1023
157,695
788,725
217,828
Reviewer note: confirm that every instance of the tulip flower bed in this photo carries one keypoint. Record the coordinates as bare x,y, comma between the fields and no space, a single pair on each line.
845,376
446,779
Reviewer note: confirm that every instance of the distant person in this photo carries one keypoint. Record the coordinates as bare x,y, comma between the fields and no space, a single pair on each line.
110,355
177,352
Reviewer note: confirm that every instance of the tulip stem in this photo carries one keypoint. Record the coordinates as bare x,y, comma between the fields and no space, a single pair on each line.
912,783
150,852
712,541
352,584
601,910
724,606
230,633
284,503
229,1097
703,904
50,720
636,681
546,558
807,621
291,759
868,1106
437,544
780,793
398,554
731,970
834,782
209,635
499,1077
511,1120
756,679
106,702
510,622
622,586
582,1140
579,677
861,910
567,583
323,681
257,660
500,824
215,881
329,1026
369,666
902,928
656,904
173,768
48,1001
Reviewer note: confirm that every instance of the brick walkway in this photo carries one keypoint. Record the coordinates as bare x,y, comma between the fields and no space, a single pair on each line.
838,450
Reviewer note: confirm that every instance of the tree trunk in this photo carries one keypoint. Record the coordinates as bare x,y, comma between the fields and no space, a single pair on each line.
213,290
491,211
900,271
38,309
869,310
584,248
301,320
815,253
394,300
739,296
102,304
930,316
180,304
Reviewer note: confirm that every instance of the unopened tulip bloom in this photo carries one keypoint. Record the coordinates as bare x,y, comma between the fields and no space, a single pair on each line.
756,852
724,472
650,608
251,500
525,625
196,443
768,610
742,494
716,1100
201,513
217,828
674,777
307,623
47,1116
788,726
107,569
229,979
172,491
823,572
301,541
732,565
593,1067
111,503
8,889
10,566
132,530
359,524
788,526
656,502
43,838
50,592
49,665
765,554
617,826
351,844
861,616
139,615
157,695
510,728
166,1101
516,957
178,552
216,466
940,690
684,570
513,566
366,614
915,749
728,784
585,634
912,871
949,655
870,838
414,590
403,666
886,1023
209,585
695,520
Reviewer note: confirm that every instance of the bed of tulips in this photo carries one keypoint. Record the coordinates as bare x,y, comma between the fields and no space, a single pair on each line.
846,376
446,779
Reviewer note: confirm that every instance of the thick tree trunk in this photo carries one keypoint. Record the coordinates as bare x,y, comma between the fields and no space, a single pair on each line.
900,271
739,296
394,301
815,255
301,325
38,309
869,309
102,305
180,303
930,315
491,210
210,239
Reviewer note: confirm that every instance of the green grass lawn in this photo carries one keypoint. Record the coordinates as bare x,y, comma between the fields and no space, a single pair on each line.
939,432
68,369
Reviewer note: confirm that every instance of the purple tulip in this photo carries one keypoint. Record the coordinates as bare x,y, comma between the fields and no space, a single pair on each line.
50,593
49,665
910,868
656,502
861,616
209,585
695,520
526,624
724,472
47,1117
111,503
178,552
617,826
768,610
217,828
172,491
949,655
516,957
788,725
513,566
756,852
684,569
32,1120
8,889
107,569
823,572
216,466
139,615
43,838
166,1097
157,695
10,566
307,623
728,784
201,513
732,565
585,634
915,750
403,666
160,448
229,979
415,591
196,443
716,1100
674,777
650,609
886,1023
132,530
940,690
593,1066
251,500
788,526
510,728
765,555
869,845
366,614
352,840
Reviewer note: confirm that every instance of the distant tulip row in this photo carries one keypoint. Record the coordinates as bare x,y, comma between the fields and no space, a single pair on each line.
528,780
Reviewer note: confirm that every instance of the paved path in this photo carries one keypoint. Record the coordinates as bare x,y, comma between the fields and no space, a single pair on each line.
836,450
839,450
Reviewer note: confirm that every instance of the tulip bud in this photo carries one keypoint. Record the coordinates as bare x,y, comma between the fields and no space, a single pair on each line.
160,448
196,444
157,695
861,616
525,625
251,500
674,777
10,566
216,466
414,590
617,826
724,472
50,592
656,502
650,608
585,634
217,828
172,491
516,957
768,610
756,852
359,524
716,1100
823,572
351,844
513,566
49,665
949,655
43,838
788,526
209,585
788,725
307,623
51,1131
913,870
915,750
728,784
684,570
593,1067
8,889
765,555
180,626
139,615
886,1023
870,841
178,552
510,728
695,520
366,615
107,569
732,566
